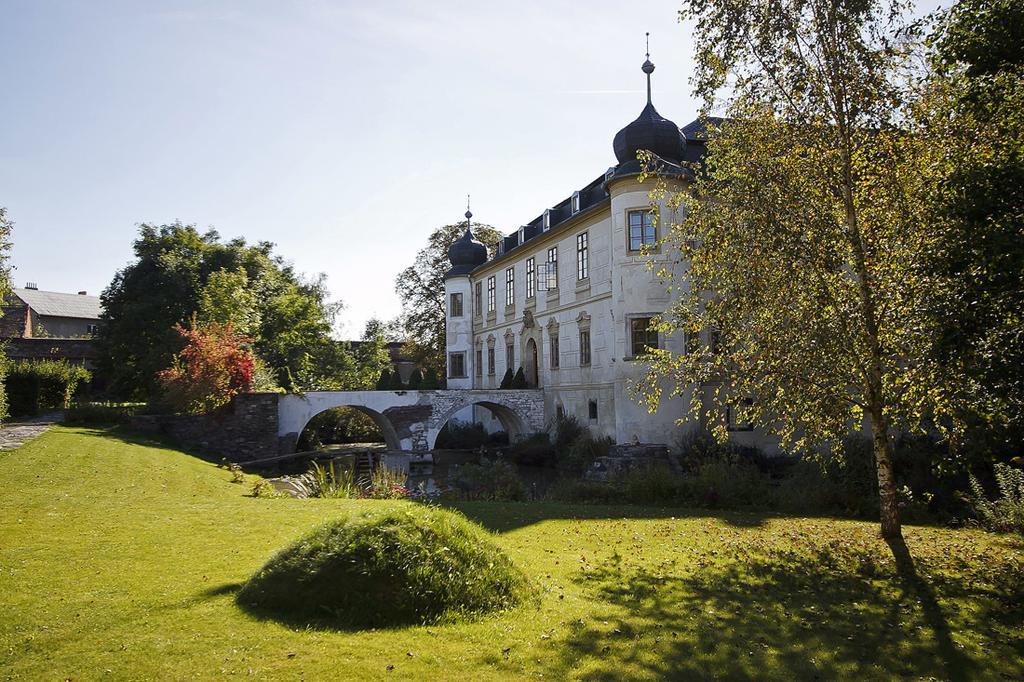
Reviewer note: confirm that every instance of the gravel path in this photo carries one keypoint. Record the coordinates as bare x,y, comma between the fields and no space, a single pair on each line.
15,434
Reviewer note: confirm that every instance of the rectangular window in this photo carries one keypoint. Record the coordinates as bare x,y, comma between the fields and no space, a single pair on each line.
455,307
478,300
582,256
510,286
592,409
456,365
575,202
715,340
547,219
479,369
644,338
490,294
737,416
490,361
554,351
552,271
584,348
531,278
641,230
510,357
93,329
691,342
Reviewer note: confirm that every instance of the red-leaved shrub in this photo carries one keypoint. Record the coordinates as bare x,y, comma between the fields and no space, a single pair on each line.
215,365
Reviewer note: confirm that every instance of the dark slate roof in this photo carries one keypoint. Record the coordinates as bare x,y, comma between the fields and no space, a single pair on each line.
596,193
56,304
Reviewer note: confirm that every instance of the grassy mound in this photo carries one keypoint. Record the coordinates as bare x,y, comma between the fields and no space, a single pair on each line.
414,565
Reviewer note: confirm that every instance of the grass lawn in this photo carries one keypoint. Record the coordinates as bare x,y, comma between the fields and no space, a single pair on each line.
120,558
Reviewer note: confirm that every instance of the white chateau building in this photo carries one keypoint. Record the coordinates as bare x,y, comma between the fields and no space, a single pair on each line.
569,296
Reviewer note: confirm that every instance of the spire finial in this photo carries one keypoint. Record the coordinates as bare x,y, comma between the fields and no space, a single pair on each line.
469,214
648,67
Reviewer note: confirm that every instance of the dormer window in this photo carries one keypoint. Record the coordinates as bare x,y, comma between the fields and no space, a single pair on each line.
609,173
501,247
522,235
575,203
547,219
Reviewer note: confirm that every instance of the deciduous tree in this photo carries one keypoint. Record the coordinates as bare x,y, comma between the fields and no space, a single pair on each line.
972,113
799,241
420,287
178,272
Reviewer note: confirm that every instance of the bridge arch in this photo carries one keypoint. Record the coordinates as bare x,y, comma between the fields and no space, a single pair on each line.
521,412
514,425
387,429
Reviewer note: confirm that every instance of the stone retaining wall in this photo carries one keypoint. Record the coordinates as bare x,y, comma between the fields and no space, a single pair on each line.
244,430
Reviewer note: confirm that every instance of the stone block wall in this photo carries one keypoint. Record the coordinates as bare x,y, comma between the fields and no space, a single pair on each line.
243,431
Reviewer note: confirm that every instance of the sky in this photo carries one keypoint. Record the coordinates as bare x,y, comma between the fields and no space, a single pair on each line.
343,132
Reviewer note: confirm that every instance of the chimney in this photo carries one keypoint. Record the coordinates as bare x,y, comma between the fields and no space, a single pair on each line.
31,285
83,293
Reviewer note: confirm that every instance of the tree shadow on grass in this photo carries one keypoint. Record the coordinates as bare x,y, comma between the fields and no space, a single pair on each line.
503,517
767,612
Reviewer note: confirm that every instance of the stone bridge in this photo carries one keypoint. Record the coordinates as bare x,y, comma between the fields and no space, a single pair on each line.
411,420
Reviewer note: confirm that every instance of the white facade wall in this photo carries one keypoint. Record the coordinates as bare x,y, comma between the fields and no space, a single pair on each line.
620,286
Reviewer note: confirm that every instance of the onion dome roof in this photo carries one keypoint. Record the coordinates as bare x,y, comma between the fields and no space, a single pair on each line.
650,132
466,253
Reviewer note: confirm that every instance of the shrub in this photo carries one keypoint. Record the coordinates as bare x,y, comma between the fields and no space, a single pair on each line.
5,366
506,379
1006,512
489,480
728,484
416,380
656,485
519,380
384,380
567,430
262,488
99,414
395,382
535,450
581,491
429,380
33,387
583,452
387,483
458,435
413,565
214,366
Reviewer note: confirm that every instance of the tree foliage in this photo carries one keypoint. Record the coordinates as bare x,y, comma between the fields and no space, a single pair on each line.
972,112
178,272
798,240
420,288
6,228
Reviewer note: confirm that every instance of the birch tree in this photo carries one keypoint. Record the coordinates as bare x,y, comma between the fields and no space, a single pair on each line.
800,237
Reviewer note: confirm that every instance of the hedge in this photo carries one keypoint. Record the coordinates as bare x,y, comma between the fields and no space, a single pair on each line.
34,387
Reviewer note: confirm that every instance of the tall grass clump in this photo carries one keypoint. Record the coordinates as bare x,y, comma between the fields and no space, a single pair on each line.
1006,512
332,480
413,565
387,483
